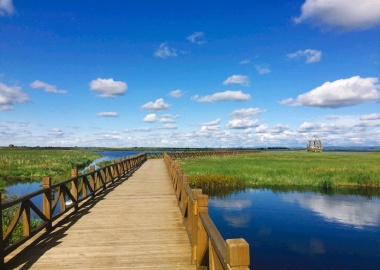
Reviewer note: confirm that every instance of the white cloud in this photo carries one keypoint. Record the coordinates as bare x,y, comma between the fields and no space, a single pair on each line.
210,128
311,56
212,123
341,93
143,129
6,7
245,61
158,105
373,116
262,128
108,87
237,79
47,87
228,95
56,133
176,93
242,123
341,14
163,51
108,114
10,95
167,118
151,118
287,101
169,126
196,37
243,113
279,128
262,69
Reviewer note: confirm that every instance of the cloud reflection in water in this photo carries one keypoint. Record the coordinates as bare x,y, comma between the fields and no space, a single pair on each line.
349,210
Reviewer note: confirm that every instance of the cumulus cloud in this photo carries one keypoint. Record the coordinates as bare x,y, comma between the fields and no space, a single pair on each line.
262,69
279,128
373,116
237,79
262,128
228,95
48,88
176,93
340,93
6,7
151,118
210,128
167,118
212,123
242,123
108,87
287,101
10,95
169,126
108,114
164,51
243,113
158,105
340,14
311,56
196,37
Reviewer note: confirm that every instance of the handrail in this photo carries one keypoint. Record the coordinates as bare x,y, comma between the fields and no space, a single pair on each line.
209,249
84,187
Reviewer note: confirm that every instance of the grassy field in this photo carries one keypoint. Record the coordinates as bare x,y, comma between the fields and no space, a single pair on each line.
35,163
274,169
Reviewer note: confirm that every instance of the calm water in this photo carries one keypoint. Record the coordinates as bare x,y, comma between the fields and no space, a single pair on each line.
302,230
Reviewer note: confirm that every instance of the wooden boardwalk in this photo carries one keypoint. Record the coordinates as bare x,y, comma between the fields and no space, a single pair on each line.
135,225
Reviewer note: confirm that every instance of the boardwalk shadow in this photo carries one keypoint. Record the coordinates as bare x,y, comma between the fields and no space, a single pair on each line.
28,256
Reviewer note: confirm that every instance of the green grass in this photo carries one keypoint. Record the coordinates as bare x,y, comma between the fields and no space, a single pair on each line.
36,163
273,169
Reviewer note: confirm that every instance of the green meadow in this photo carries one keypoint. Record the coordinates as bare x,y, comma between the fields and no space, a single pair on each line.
284,169
27,163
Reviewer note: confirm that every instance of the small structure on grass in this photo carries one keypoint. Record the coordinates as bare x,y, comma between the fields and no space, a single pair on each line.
314,144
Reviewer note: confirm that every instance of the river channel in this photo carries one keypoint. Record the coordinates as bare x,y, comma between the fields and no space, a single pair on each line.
292,229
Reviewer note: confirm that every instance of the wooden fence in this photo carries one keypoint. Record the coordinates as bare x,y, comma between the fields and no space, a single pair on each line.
209,249
58,199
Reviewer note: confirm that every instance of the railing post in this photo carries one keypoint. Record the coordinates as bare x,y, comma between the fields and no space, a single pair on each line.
119,168
193,224
74,187
46,201
26,219
92,180
237,254
1,235
202,240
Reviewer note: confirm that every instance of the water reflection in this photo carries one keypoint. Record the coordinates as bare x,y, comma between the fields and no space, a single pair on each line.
302,230
349,210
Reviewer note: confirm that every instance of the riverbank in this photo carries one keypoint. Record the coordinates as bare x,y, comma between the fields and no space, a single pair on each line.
33,163
272,169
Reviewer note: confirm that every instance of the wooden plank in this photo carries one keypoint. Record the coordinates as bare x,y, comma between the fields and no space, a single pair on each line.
136,225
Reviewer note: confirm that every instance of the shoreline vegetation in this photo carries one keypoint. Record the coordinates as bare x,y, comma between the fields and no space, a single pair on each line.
284,170
33,163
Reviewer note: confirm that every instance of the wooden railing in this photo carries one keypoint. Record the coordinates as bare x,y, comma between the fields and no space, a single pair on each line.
209,249
58,199
195,154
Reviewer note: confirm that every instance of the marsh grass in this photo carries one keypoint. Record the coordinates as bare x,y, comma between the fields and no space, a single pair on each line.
36,163
270,169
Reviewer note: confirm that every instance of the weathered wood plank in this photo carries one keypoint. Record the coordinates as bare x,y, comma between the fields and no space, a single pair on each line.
136,225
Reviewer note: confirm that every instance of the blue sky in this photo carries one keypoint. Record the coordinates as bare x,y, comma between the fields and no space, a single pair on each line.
189,73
